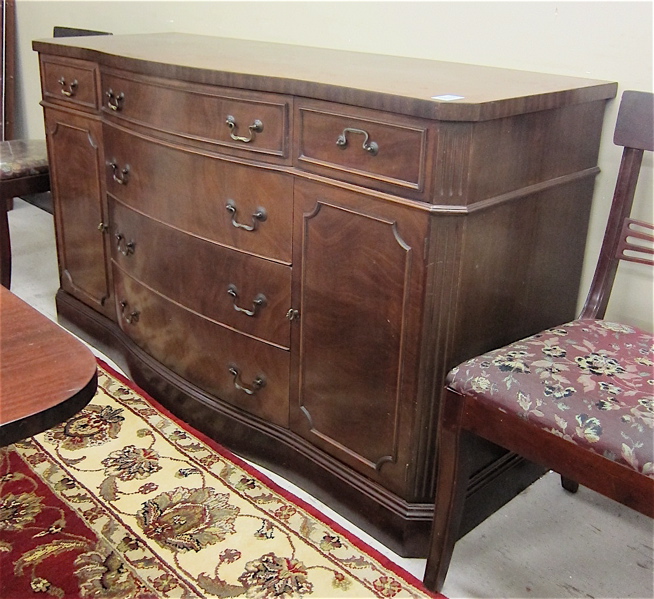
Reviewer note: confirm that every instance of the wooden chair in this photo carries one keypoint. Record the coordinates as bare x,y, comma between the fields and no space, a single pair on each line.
23,170
579,398
23,164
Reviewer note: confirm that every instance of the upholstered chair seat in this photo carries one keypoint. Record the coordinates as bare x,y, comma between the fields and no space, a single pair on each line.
577,398
24,170
22,158
574,381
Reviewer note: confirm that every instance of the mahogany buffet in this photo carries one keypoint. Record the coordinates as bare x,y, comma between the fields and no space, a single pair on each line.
290,247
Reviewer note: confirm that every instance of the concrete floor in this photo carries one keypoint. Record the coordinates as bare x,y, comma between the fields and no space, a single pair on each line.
544,543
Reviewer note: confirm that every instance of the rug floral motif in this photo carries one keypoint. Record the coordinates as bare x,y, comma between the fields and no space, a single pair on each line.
124,501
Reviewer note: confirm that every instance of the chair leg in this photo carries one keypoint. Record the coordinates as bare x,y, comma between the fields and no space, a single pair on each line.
451,485
569,485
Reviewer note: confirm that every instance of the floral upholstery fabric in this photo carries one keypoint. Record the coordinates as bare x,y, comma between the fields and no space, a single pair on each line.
588,381
22,157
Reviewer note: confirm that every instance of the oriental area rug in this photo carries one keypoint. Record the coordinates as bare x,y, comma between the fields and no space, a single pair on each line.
125,501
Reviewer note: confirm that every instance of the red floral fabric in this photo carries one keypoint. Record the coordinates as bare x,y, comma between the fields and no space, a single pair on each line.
588,381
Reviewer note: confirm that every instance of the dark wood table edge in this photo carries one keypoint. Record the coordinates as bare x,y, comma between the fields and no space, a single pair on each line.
42,421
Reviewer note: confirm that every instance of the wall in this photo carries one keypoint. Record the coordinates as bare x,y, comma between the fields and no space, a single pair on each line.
599,40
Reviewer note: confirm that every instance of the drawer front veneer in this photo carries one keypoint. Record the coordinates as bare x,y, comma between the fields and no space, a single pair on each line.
239,206
375,149
249,374
70,81
250,294
249,122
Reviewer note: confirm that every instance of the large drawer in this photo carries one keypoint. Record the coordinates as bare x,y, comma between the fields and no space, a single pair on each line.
256,123
239,206
244,292
375,149
70,81
249,374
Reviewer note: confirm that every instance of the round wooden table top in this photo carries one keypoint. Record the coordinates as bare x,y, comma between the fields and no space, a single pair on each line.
46,374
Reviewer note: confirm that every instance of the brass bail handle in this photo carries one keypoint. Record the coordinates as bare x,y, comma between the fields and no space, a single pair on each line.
372,148
257,383
115,101
126,248
120,176
257,303
256,127
72,87
129,317
258,217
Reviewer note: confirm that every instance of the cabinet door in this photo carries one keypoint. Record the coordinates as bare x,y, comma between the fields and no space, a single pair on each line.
358,290
77,181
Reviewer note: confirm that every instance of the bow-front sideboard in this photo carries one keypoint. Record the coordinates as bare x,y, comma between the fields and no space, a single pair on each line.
289,247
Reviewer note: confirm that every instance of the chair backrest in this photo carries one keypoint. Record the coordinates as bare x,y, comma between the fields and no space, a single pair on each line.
58,31
8,65
625,238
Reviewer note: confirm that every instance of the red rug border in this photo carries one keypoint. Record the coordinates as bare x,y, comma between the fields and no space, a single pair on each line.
359,543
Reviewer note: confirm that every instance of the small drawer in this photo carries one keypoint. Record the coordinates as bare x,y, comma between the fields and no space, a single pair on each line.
243,207
236,121
375,149
250,294
239,370
70,81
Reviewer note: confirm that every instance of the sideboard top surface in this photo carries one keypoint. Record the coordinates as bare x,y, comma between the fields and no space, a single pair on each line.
400,84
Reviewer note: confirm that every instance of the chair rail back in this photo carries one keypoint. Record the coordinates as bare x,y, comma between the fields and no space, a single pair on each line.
624,238
636,242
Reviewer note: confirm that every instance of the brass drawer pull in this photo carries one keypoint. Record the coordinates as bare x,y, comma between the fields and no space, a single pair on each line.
259,216
120,176
257,384
258,302
72,88
372,147
131,317
256,127
124,248
115,101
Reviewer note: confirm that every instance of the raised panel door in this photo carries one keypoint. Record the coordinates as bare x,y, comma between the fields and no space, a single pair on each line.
358,290
77,181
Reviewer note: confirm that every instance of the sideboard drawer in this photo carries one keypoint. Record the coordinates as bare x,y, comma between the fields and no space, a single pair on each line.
375,149
243,207
250,374
70,81
251,122
247,293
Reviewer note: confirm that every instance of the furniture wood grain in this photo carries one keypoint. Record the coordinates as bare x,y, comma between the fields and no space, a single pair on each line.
46,374
413,232
395,83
